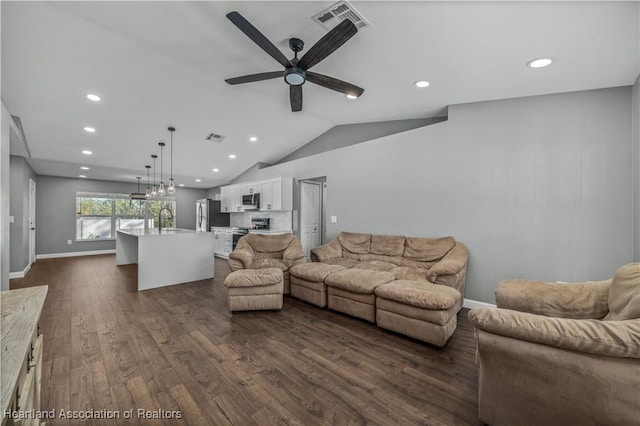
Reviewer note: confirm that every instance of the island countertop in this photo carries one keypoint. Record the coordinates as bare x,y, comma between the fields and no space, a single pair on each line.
171,256
155,232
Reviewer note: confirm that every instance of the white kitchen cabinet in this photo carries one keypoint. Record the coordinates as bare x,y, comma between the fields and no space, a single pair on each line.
228,243
218,236
236,198
276,194
226,199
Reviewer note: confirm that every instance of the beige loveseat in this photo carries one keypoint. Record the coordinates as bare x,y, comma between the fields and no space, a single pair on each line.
262,251
414,286
561,354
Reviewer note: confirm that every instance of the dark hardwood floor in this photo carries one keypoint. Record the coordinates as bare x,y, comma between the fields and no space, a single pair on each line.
109,347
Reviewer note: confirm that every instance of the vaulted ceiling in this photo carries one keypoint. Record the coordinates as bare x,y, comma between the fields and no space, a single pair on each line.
157,64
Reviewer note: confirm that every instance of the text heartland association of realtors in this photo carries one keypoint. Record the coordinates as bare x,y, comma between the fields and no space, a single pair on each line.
134,413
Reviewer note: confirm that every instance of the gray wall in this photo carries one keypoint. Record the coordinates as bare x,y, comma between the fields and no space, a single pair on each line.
55,210
349,134
636,168
21,172
5,136
537,187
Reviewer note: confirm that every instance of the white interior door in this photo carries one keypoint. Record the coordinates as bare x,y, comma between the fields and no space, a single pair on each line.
32,221
310,214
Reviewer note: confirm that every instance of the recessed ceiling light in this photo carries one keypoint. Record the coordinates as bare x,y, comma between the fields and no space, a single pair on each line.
84,168
87,152
540,63
350,96
181,184
253,139
216,170
92,97
421,84
232,156
198,180
89,129
82,176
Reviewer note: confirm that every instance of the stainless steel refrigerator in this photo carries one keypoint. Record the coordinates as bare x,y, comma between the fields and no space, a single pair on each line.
208,215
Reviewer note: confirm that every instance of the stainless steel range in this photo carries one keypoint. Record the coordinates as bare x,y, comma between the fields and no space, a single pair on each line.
237,234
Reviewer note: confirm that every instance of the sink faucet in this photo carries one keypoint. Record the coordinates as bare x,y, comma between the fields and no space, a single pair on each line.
160,217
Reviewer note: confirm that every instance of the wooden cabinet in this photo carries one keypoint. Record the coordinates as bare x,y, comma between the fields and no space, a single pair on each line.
21,379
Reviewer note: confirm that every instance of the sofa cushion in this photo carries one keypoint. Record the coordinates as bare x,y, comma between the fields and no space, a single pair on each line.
624,294
428,249
269,243
387,245
253,278
314,272
269,263
375,265
355,243
419,294
342,261
358,280
412,274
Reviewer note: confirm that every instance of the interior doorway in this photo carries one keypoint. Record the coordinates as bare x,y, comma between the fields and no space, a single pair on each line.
32,221
311,205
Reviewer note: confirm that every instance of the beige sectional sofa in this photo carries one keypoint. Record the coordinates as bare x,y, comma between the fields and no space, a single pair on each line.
257,251
410,285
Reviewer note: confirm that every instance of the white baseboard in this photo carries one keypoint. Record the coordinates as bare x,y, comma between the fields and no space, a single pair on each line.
75,253
469,303
20,274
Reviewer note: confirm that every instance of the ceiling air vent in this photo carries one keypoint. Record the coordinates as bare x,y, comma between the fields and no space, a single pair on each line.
337,13
214,137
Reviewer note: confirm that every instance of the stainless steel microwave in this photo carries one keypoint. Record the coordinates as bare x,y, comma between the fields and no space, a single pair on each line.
251,202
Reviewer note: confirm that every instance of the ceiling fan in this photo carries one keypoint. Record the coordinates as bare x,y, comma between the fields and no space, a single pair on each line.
296,71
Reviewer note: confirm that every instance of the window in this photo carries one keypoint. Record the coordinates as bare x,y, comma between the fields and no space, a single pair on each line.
99,216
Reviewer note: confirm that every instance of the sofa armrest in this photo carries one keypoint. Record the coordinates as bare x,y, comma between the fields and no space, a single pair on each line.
293,254
605,338
578,301
452,263
331,250
244,255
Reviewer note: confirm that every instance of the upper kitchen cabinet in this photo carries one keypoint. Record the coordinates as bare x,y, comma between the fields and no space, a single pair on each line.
276,194
226,199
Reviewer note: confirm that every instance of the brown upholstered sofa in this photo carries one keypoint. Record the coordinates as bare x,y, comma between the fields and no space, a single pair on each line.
413,286
258,251
556,354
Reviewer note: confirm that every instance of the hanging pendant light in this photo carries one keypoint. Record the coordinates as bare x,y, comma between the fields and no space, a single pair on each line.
172,187
161,190
154,193
147,193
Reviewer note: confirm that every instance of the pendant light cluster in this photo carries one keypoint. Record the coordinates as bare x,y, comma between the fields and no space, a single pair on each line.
161,191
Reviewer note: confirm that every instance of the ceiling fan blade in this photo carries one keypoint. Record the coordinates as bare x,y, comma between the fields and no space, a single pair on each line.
328,44
334,84
255,77
295,95
258,38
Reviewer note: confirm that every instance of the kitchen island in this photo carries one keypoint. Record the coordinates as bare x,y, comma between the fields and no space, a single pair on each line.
167,257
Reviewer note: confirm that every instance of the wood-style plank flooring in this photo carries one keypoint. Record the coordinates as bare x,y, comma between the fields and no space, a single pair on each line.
109,347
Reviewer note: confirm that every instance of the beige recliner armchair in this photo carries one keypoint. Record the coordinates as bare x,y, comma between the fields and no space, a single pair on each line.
258,251
556,354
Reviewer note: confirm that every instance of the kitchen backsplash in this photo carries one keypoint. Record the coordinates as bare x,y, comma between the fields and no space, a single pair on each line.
279,220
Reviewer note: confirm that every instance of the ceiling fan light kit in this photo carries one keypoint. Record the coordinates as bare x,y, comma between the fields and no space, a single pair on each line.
296,71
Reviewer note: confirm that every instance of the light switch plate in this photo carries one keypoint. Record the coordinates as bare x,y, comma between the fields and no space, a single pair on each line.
12,219
334,219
